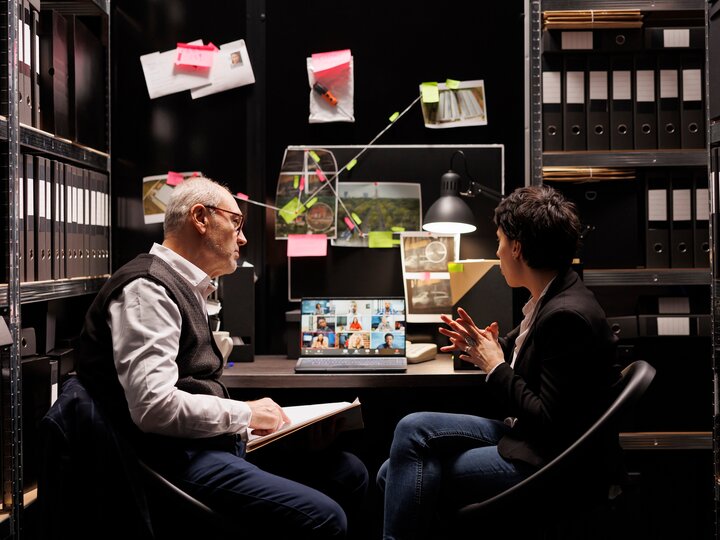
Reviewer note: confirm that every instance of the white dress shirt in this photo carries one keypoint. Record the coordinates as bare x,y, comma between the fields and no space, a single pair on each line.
529,312
145,325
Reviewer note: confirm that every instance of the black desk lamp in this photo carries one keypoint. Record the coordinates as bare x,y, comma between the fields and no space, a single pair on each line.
450,214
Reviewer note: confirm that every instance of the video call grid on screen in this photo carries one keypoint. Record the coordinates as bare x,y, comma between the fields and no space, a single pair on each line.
339,326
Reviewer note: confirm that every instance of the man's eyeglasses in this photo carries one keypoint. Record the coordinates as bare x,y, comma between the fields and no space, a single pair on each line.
238,220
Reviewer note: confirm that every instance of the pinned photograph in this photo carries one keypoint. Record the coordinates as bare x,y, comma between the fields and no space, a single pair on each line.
426,277
306,200
156,194
460,104
374,207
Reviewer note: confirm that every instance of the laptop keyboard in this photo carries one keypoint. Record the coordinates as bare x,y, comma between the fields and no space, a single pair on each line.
353,364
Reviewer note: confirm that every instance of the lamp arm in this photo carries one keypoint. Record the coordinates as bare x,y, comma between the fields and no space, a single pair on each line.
475,188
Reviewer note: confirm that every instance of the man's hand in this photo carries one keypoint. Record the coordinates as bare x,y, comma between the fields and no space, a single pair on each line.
267,416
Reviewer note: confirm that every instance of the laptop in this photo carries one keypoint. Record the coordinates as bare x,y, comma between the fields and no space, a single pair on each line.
340,335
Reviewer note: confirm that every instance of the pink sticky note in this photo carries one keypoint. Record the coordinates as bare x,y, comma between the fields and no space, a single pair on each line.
302,183
242,196
307,245
195,56
425,276
349,223
174,178
327,61
320,175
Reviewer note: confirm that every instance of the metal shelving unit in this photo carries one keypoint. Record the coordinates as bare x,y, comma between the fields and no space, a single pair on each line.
694,11
15,138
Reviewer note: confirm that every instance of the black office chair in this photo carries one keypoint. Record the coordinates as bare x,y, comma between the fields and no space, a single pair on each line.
92,485
558,488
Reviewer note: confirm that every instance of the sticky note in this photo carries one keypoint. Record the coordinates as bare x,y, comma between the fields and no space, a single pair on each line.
425,276
356,218
314,156
394,116
174,178
291,210
349,223
330,60
452,84
311,202
351,164
296,181
242,196
195,56
397,229
307,245
302,183
454,268
380,239
430,92
320,175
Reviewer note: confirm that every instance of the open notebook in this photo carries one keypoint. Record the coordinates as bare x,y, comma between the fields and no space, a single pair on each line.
352,334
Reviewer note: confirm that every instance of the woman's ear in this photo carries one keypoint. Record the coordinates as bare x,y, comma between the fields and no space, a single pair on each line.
516,249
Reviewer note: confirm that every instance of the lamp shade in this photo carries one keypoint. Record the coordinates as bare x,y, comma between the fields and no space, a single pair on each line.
449,214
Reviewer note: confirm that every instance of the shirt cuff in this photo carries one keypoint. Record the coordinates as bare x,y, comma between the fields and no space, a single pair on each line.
487,377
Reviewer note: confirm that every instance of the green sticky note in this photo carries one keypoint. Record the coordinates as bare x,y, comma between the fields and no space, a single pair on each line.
356,218
455,268
291,210
430,92
296,181
351,164
380,239
394,116
311,202
315,157
397,229
452,84
396,242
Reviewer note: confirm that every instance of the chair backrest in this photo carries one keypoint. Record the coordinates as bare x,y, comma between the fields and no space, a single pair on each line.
634,381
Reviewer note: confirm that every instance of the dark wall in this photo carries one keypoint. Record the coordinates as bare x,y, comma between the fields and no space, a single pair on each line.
239,136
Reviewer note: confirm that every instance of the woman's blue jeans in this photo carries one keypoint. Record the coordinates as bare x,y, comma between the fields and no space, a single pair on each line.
440,461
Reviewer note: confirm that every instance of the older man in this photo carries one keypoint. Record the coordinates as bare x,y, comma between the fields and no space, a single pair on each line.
148,357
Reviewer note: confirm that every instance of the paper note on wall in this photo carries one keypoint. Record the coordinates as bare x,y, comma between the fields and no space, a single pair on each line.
307,245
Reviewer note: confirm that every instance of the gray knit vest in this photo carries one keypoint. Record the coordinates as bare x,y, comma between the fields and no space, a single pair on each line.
199,361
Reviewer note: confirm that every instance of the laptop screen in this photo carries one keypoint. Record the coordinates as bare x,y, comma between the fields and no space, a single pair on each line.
352,326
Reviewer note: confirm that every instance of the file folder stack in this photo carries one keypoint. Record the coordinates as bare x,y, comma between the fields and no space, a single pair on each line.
677,219
63,220
574,19
586,174
621,89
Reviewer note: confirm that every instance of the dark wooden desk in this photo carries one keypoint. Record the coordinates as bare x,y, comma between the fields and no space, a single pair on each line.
278,372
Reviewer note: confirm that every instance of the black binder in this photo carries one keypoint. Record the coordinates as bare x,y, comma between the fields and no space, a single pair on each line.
24,60
701,221
618,40
21,219
574,114
598,111
644,103
30,262
58,270
54,73
676,38
692,113
35,62
621,105
88,87
681,233
43,236
657,232
668,90
552,107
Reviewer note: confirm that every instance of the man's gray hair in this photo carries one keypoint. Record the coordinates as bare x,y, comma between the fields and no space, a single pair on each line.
197,190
